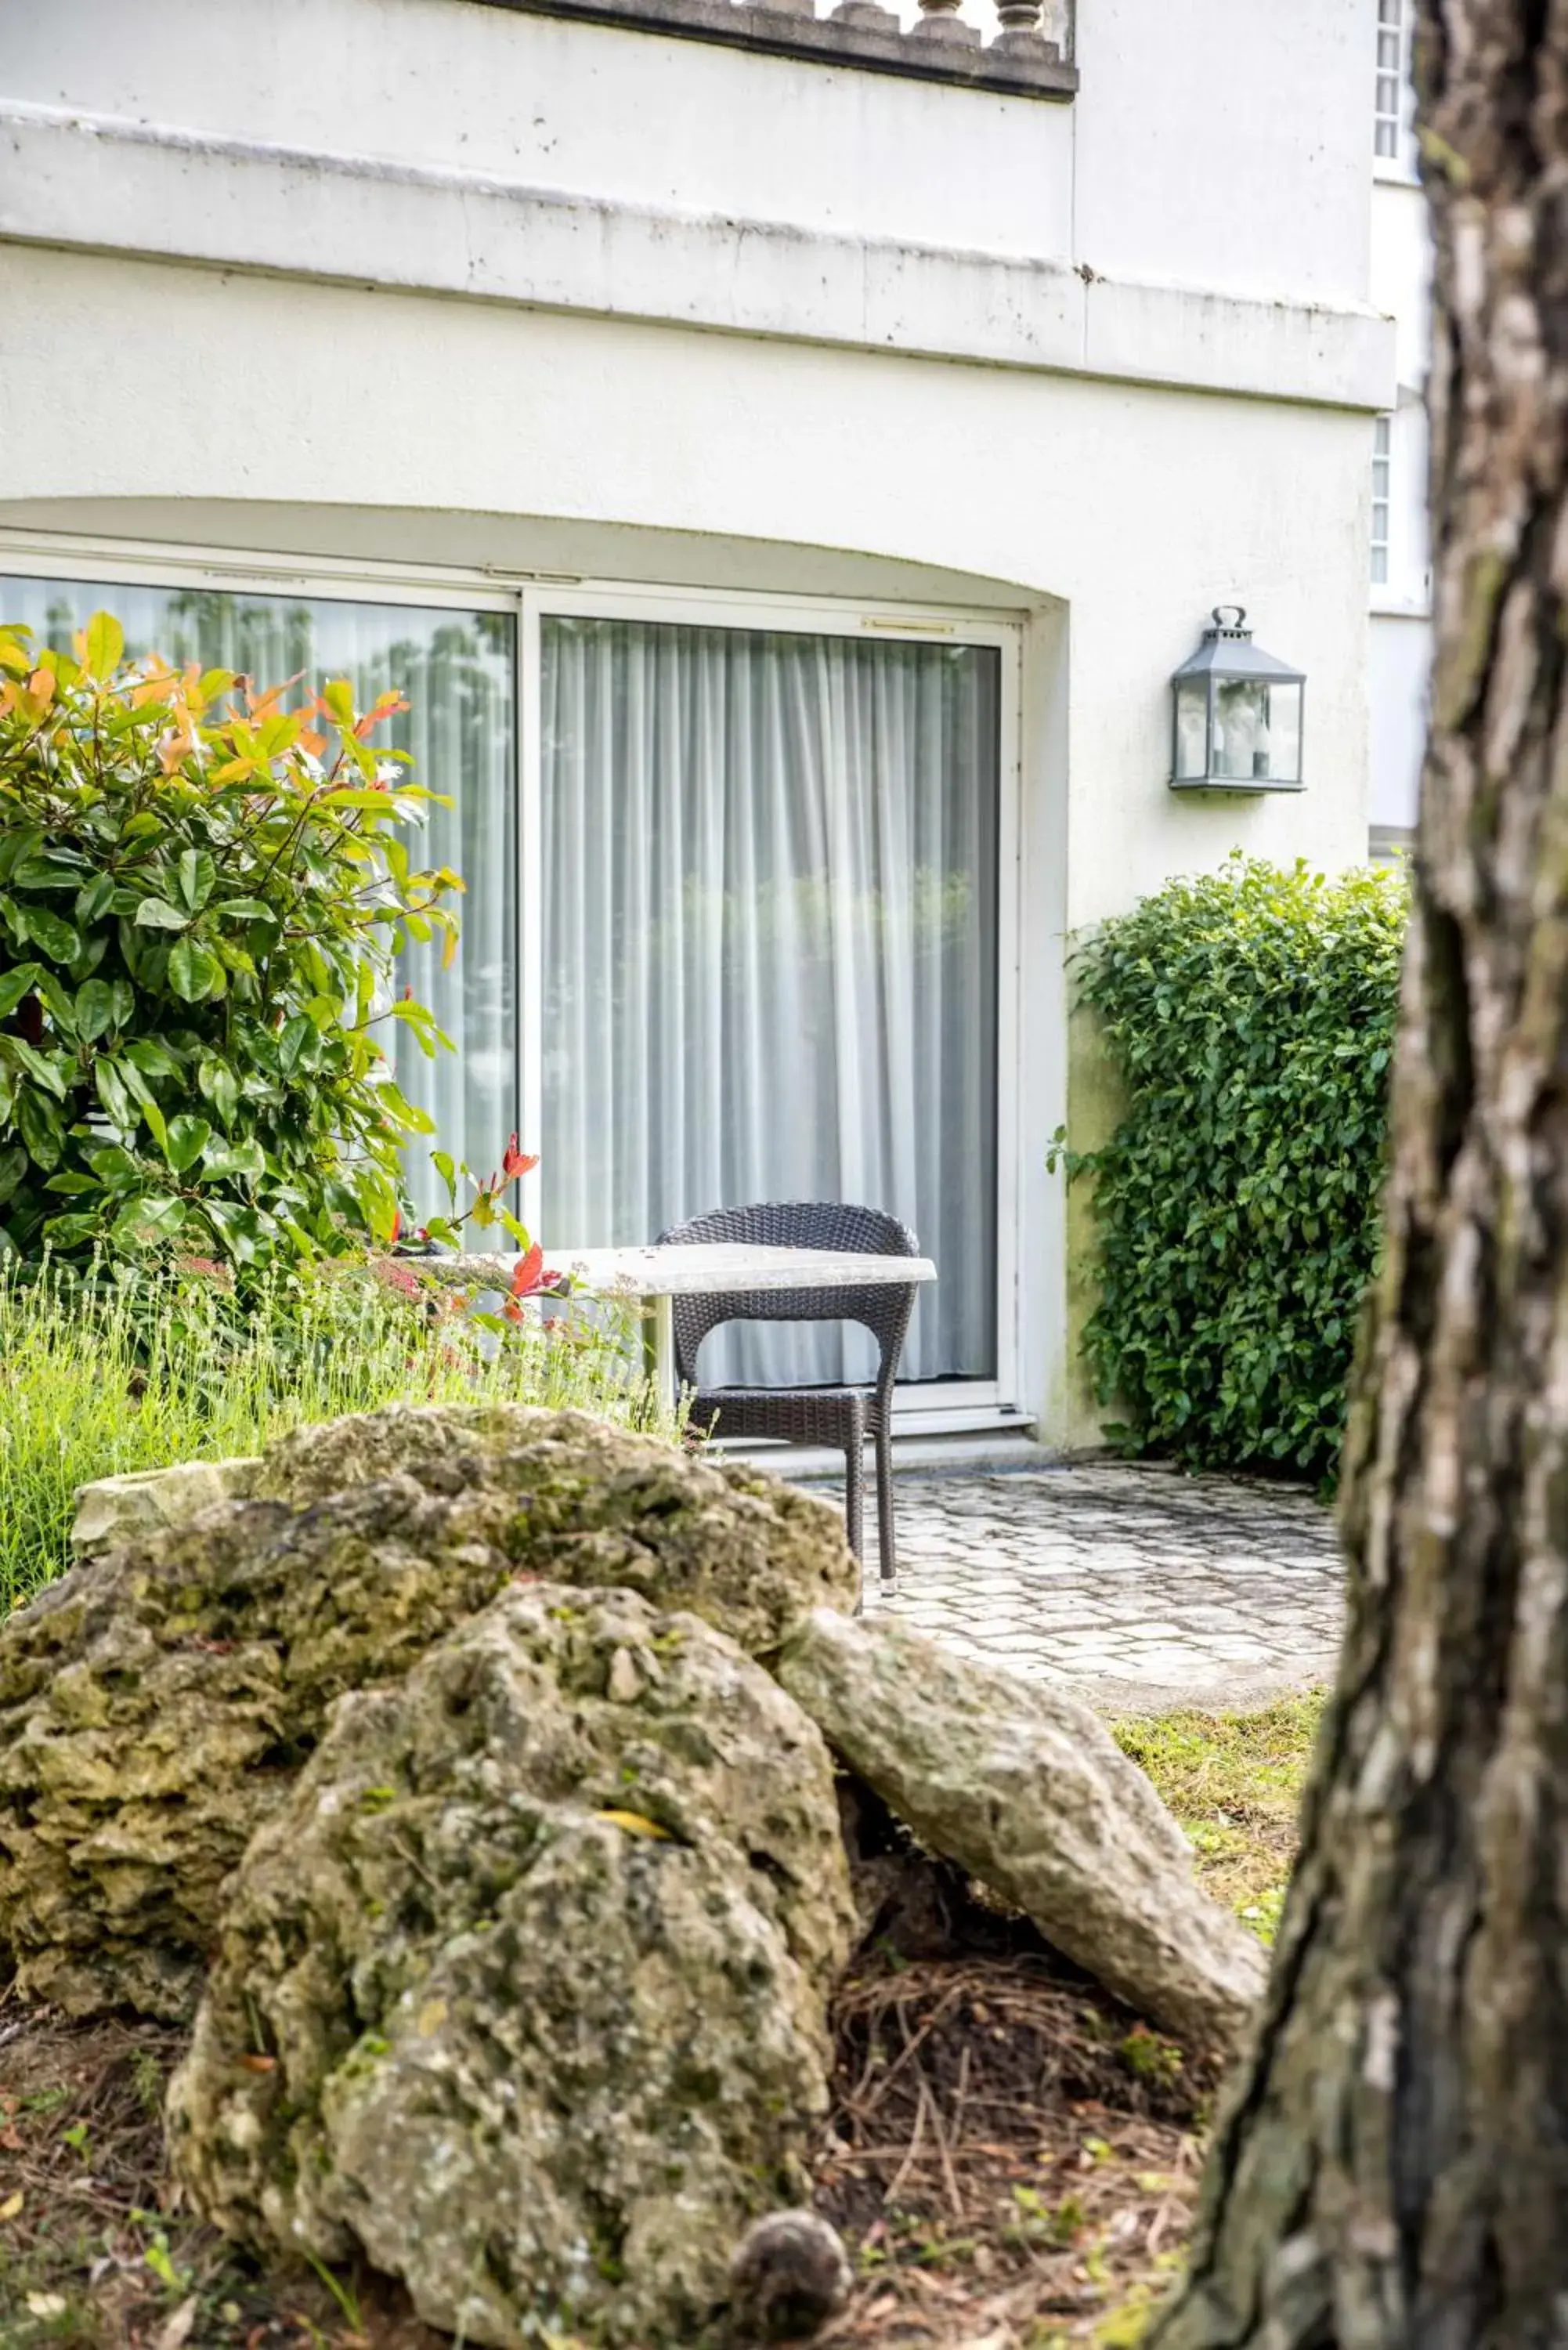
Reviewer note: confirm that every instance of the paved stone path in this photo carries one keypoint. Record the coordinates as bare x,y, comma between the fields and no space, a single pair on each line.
1138,1586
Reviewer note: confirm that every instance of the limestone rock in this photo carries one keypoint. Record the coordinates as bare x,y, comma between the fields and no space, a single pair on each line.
522,1989
1026,1790
114,1509
593,1504
155,1703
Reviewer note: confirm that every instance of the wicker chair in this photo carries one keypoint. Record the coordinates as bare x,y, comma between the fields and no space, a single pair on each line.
843,1416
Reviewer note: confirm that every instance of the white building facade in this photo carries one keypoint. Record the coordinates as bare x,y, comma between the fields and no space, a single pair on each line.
782,461
1400,569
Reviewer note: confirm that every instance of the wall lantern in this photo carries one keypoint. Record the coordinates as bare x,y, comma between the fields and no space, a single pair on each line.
1237,722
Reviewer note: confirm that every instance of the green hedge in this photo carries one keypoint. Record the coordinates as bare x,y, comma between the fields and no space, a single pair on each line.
1250,1017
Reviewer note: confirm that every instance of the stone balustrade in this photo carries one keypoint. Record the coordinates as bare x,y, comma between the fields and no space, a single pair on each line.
1026,56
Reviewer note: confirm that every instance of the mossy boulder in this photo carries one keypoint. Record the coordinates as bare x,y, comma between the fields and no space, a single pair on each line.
156,1704
521,1991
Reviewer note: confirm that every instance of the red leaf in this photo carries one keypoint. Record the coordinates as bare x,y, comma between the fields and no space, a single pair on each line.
517,1162
529,1272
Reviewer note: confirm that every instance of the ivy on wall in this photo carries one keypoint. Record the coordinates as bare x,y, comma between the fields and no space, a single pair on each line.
1251,1015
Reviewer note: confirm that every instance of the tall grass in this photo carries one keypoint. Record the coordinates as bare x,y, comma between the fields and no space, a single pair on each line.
138,1371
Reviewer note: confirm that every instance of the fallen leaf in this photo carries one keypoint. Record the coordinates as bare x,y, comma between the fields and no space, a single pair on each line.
46,2304
634,1823
258,2063
177,2331
11,2206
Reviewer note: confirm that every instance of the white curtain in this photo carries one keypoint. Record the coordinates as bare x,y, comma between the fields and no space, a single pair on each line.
455,670
770,954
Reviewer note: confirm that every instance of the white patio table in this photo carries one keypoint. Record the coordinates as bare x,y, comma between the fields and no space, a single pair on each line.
654,1276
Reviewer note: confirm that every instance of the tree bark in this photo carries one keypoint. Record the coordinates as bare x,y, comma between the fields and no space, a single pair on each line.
1391,2166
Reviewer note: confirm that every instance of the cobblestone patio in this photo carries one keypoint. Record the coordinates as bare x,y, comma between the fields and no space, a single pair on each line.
1139,1587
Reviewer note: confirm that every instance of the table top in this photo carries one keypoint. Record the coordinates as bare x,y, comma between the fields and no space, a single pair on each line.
702,1268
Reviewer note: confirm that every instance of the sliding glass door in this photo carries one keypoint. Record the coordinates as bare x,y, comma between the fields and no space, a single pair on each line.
734,926
770,951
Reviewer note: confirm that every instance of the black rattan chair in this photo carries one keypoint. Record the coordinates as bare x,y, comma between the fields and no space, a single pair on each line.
843,1416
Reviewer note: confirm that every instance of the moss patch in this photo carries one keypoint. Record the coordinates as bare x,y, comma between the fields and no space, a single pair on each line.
1234,1781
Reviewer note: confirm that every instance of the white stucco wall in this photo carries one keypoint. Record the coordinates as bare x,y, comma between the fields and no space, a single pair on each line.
1138,508
1401,633
1234,153
585,109
440,284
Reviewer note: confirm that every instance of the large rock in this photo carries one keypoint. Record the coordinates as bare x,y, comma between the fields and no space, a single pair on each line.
522,1989
155,1703
591,1503
1026,1790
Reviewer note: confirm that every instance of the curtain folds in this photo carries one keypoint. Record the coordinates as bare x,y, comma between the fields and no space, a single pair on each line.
770,952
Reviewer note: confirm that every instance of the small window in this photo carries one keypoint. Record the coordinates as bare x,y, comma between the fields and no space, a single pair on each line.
1382,465
1388,116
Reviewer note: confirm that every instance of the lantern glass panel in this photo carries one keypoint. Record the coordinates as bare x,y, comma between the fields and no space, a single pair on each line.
1191,727
1284,720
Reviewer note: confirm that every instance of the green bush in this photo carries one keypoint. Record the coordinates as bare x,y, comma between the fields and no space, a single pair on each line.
1250,1016
143,1367
201,895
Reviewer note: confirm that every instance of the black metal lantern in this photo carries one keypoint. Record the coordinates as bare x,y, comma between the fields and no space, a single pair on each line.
1236,714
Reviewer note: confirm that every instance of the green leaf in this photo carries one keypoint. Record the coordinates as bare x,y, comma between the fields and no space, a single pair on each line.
16,847
51,931
60,1007
13,1167
224,1159
298,1033
193,973
70,1232
46,873
105,644
96,1009
112,1093
198,877
151,1057
70,1186
113,1167
44,1068
158,914
95,898
185,1140
145,1220
217,1084
246,909
15,985
39,1122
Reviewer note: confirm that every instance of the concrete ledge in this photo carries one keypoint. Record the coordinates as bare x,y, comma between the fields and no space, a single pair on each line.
98,182
1015,65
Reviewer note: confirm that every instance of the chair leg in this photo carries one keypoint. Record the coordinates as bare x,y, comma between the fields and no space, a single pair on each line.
889,1548
855,1493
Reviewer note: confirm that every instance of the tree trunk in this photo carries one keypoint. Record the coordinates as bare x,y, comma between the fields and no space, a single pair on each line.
1391,2166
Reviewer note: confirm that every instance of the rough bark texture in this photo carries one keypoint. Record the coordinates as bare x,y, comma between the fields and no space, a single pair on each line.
1027,1791
522,1992
156,1702
1393,2166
